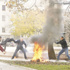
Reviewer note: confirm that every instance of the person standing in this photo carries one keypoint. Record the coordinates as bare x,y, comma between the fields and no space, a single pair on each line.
20,47
64,48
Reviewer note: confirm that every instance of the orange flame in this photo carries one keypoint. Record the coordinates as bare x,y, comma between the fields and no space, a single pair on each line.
37,52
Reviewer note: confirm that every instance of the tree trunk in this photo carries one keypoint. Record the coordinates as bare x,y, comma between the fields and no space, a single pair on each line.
51,52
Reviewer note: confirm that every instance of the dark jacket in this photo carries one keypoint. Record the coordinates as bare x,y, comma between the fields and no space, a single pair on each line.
19,43
63,43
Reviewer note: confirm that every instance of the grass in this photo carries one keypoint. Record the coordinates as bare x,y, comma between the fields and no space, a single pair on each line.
49,67
41,66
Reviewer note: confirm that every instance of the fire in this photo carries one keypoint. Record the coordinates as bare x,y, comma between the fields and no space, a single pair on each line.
37,52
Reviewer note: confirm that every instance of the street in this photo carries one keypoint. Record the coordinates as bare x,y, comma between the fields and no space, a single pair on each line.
5,66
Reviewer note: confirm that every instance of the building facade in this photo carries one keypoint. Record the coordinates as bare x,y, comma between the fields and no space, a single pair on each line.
4,20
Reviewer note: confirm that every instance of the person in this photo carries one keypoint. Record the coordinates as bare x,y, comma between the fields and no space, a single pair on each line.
4,42
64,47
20,47
1,46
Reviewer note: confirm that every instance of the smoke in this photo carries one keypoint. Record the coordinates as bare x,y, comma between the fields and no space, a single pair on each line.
53,26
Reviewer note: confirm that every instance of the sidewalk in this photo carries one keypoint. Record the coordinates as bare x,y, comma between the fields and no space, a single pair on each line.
15,59
5,66
28,60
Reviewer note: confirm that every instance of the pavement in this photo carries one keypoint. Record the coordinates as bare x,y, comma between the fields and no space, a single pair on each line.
15,59
28,60
5,66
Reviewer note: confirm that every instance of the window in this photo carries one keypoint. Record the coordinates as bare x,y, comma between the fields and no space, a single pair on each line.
3,17
3,8
3,30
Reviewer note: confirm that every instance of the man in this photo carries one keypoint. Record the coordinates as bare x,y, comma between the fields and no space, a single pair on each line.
20,47
64,48
4,42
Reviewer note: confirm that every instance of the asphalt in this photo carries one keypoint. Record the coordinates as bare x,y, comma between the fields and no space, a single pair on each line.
5,66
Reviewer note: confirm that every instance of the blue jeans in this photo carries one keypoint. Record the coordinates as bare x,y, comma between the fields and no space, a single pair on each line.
17,49
63,50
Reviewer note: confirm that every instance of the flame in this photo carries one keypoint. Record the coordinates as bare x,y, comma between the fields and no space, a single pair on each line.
37,52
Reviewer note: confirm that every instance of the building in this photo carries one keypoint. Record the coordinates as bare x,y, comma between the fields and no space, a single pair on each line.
4,20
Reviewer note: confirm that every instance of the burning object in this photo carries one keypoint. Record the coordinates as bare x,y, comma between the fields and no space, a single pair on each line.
38,53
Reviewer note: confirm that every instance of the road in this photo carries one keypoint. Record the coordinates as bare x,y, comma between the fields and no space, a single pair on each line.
5,66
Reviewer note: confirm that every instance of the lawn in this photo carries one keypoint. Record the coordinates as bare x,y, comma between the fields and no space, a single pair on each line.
48,67
42,66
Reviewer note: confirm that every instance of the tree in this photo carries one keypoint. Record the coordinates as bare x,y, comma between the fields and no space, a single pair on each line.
19,5
51,52
53,22
67,28
67,24
28,23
